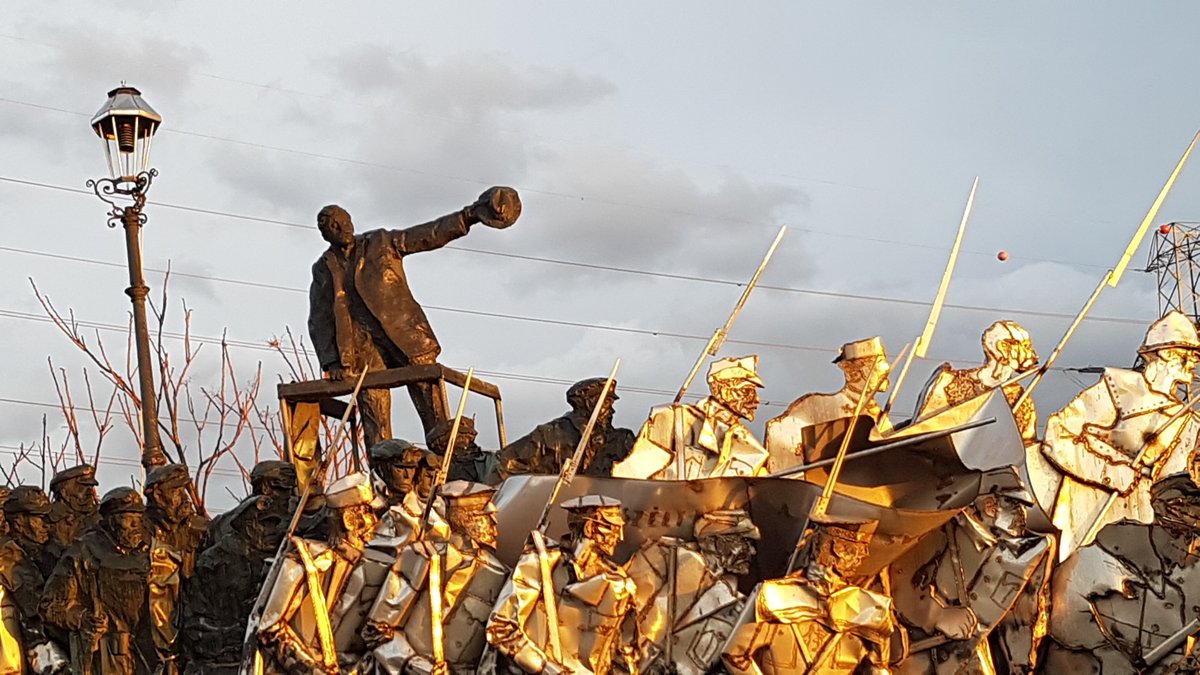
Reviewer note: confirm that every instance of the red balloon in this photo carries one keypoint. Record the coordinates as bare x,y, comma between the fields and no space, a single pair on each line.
1002,256
1165,228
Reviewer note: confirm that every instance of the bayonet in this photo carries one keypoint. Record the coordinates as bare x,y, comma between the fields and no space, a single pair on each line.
447,458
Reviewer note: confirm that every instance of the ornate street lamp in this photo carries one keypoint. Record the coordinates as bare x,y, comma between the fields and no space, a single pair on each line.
126,125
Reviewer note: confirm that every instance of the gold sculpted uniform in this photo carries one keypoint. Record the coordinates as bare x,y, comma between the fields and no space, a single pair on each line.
705,585
710,435
1095,440
814,621
591,595
469,581
864,364
318,586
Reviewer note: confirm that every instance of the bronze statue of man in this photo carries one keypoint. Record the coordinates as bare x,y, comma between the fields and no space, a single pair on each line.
220,594
97,592
175,533
469,577
73,506
470,462
26,648
362,313
547,447
407,474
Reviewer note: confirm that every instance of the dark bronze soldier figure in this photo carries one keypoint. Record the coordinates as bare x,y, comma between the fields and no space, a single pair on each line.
470,462
544,449
220,594
22,577
175,531
362,313
97,592
407,474
73,506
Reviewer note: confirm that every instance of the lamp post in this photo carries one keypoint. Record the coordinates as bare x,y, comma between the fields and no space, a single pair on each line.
126,126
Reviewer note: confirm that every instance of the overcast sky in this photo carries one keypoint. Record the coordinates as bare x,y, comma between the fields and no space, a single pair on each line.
669,138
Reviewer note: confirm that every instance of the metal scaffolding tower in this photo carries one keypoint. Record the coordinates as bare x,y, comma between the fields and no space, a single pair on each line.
1175,259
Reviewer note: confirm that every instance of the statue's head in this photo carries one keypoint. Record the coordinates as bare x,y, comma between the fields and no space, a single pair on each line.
25,511
352,503
76,487
582,397
1176,502
838,544
1004,502
864,364
168,492
438,437
734,382
275,482
396,463
1171,350
596,519
335,225
729,537
470,512
1008,344
121,516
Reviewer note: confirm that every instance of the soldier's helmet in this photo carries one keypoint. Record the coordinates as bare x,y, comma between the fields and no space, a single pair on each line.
353,489
167,476
584,393
996,336
396,451
1175,329
121,500
735,369
871,347
438,437
826,528
274,471
594,507
27,499
725,521
84,473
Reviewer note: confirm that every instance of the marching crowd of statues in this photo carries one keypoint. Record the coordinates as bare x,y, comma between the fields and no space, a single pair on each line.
1083,558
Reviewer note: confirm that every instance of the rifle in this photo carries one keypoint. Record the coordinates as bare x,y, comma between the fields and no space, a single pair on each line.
447,458
250,648
718,337
935,311
1113,276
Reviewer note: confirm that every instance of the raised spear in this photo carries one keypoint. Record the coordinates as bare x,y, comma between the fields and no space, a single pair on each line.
447,458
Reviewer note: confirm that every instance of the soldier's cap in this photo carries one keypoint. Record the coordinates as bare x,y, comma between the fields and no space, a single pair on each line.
600,507
27,499
439,435
352,490
395,450
589,389
859,530
725,521
84,473
168,476
1175,329
735,368
273,470
121,500
1006,483
463,494
861,349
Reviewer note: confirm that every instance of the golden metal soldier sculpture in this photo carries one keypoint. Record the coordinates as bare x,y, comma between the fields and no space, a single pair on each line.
24,645
568,608
687,592
97,592
1007,351
1119,435
706,440
431,613
815,621
312,592
407,473
865,367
